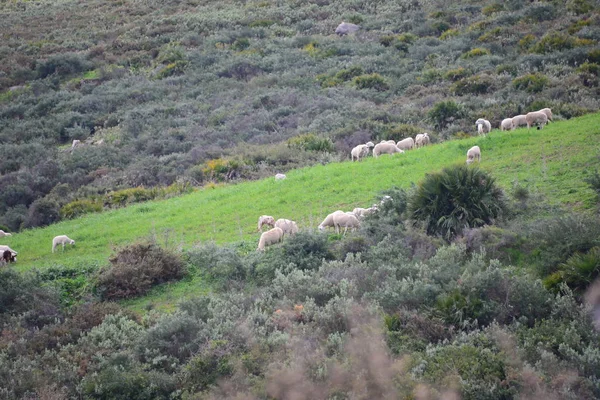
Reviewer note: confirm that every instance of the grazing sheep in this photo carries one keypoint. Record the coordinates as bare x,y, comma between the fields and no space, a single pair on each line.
75,143
279,177
483,126
345,28
7,257
328,221
422,139
536,117
519,120
388,141
548,113
345,220
288,226
406,144
269,237
62,239
360,212
506,124
265,220
3,248
2,233
360,151
386,148
473,153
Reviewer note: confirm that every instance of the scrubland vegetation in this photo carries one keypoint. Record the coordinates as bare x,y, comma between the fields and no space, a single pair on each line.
473,282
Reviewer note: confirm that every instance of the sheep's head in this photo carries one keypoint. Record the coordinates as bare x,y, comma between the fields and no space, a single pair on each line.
72,241
369,144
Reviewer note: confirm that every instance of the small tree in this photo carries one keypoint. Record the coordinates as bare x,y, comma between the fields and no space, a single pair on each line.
445,112
456,198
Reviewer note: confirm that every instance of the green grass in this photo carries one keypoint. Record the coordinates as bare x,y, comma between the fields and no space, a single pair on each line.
551,162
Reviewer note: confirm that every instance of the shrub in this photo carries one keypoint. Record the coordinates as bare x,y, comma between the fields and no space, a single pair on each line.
472,85
449,34
556,41
206,368
578,272
371,81
594,182
526,42
476,52
311,142
136,268
62,65
532,83
456,198
444,113
219,263
579,6
42,212
540,12
492,8
456,74
78,208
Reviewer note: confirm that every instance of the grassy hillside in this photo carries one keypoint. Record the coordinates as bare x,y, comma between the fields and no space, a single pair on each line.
551,162
172,88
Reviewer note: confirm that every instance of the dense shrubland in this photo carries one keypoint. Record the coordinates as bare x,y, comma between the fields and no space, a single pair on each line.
197,92
491,311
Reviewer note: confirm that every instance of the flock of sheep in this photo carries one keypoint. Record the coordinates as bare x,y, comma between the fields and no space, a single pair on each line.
340,219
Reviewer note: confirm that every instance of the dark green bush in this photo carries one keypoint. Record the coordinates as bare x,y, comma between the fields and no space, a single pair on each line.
136,268
456,198
578,272
445,112
478,84
44,211
219,263
556,41
532,83
206,368
456,74
62,65
311,142
593,181
476,52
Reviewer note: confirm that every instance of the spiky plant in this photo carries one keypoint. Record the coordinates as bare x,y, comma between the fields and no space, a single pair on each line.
578,272
456,198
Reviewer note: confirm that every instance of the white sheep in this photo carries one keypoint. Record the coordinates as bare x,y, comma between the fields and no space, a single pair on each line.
406,144
288,226
345,220
519,120
62,239
548,113
506,124
360,212
265,220
345,28
536,117
269,237
279,177
422,139
2,233
360,151
483,126
328,221
386,148
3,248
388,141
473,153
75,143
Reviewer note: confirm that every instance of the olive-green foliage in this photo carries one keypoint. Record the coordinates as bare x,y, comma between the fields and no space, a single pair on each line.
456,74
456,198
556,41
532,83
478,84
593,180
136,268
476,52
371,81
78,208
339,77
310,142
492,8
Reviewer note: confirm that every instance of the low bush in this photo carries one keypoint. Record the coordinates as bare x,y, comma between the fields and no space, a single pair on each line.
78,208
578,272
371,81
136,268
311,142
456,198
476,52
555,41
532,83
444,113
478,84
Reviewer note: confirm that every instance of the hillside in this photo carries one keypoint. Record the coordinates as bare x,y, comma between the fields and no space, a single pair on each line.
551,163
201,91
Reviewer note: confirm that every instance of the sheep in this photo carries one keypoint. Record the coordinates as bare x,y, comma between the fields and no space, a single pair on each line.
473,153
269,237
536,117
345,220
288,226
7,257
360,212
506,124
279,177
548,113
62,239
483,126
388,141
328,221
518,121
75,143
2,233
265,220
422,139
345,28
3,248
359,151
406,144
386,148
